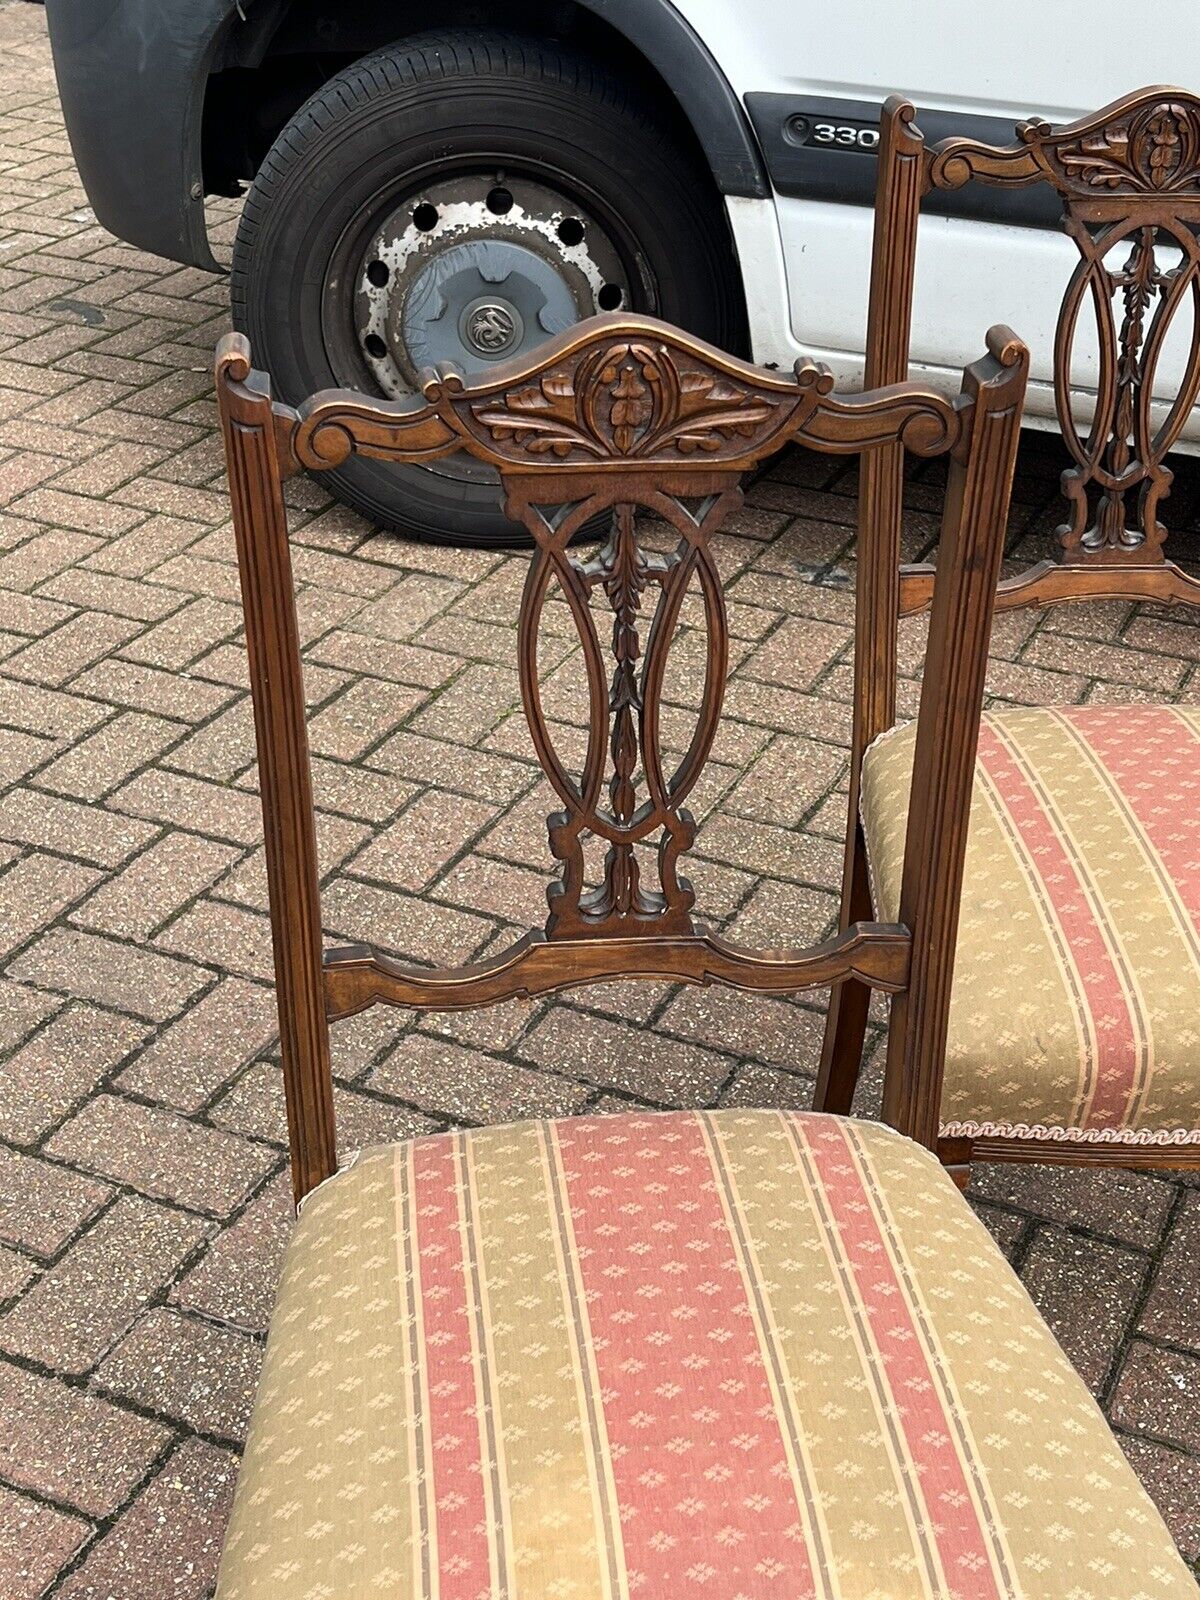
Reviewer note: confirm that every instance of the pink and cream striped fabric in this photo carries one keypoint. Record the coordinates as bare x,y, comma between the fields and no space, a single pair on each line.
745,1355
1076,1003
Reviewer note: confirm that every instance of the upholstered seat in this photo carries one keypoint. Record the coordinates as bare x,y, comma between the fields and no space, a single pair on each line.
1076,999
735,1354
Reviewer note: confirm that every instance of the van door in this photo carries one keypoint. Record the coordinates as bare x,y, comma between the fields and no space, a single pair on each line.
813,81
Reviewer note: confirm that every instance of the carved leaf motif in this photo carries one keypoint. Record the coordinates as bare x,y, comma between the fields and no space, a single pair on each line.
632,406
631,401
711,407
1156,151
1100,160
543,418
1159,149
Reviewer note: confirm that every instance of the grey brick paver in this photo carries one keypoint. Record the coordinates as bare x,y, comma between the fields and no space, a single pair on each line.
197,1055
155,885
174,1526
109,756
76,1312
52,823
123,976
35,1541
72,1446
143,1188
34,890
1157,1396
60,1066
186,1369
159,1154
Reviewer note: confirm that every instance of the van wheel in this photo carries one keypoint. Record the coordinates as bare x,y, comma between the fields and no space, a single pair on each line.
463,197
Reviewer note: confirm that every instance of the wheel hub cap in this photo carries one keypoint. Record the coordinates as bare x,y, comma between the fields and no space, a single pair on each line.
479,302
491,327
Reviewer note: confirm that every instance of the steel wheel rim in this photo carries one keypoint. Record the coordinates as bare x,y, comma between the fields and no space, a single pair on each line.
474,263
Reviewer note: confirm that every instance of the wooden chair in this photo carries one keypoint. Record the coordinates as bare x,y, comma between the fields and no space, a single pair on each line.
735,1353
1073,1034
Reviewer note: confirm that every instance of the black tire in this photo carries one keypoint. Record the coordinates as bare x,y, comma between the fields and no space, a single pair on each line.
417,108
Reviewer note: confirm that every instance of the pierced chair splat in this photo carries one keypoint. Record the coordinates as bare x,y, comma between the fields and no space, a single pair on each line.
1072,1032
1128,179
608,1355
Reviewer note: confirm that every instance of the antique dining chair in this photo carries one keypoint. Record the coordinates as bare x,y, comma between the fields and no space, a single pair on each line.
745,1354
1074,1030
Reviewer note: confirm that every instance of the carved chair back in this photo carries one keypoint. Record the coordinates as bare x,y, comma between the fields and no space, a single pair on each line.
617,416
1128,180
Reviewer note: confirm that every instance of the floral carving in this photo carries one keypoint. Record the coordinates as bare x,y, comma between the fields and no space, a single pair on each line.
1160,151
1154,150
631,401
631,407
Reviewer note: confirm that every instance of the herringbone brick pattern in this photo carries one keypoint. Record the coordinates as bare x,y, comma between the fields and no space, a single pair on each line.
143,1197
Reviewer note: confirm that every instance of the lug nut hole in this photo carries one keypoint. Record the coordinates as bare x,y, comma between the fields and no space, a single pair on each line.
375,346
378,274
425,216
499,201
570,231
610,296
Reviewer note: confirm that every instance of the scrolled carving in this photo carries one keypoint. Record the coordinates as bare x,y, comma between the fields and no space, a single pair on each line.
336,424
1146,146
956,162
632,400
327,443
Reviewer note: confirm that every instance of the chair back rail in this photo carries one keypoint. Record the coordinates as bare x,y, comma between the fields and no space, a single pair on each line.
617,415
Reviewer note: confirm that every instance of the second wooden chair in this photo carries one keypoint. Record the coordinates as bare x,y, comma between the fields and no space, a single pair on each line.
1073,1031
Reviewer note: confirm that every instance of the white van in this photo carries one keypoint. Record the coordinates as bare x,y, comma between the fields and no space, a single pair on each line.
417,194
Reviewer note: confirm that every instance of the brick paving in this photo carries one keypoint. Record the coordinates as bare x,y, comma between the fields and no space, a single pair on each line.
143,1202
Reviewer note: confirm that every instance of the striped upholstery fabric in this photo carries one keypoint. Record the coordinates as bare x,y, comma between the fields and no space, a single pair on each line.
1076,1003
745,1355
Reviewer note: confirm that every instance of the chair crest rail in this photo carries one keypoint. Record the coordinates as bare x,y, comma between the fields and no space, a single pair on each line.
601,400
1146,144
